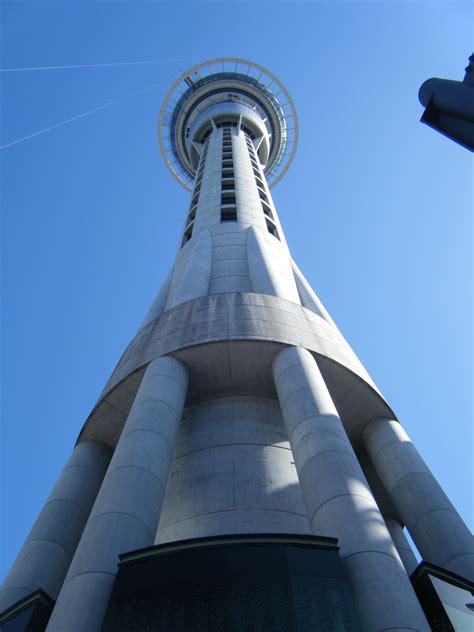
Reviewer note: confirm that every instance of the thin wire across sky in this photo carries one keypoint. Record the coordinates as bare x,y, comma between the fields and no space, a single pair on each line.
83,114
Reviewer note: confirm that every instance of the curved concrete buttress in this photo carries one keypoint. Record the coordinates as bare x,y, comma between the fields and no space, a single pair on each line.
195,278
307,295
159,304
270,273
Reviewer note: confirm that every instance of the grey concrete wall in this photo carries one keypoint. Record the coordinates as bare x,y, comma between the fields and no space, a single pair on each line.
232,472
207,215
270,266
438,531
127,510
338,499
230,258
48,550
249,207
196,276
236,317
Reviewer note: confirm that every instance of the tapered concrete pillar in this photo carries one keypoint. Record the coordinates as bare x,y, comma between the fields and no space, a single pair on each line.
126,513
438,531
49,548
403,546
193,280
338,499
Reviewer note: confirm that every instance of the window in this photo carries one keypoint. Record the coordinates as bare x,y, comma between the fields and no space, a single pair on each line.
227,198
228,201
229,214
206,134
272,228
267,210
262,195
191,216
187,235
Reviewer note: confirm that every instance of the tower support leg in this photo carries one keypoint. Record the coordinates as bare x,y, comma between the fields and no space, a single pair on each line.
338,499
126,513
403,546
438,531
49,548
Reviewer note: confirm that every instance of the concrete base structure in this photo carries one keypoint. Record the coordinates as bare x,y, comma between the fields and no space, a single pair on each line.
232,473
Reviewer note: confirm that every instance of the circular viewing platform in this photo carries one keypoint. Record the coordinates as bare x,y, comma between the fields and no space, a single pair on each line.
227,91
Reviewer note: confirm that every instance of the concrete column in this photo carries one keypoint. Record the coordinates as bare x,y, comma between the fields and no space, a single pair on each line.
338,499
126,513
438,531
403,546
49,548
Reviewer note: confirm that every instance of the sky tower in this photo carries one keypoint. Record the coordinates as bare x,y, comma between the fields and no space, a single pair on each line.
240,469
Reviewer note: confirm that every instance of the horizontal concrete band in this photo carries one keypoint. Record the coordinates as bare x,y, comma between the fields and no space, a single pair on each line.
235,316
228,342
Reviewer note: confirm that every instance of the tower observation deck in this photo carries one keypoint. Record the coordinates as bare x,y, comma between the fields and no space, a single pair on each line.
240,470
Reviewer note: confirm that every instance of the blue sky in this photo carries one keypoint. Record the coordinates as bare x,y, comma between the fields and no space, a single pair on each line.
377,208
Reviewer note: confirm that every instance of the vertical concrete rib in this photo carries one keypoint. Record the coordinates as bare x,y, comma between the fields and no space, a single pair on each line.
308,296
49,548
338,499
438,531
126,513
269,267
195,280
158,305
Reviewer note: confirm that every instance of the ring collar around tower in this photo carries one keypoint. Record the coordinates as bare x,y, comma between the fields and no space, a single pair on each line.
231,91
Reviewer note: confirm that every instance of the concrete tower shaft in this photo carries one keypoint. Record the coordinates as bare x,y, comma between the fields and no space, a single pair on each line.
238,408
